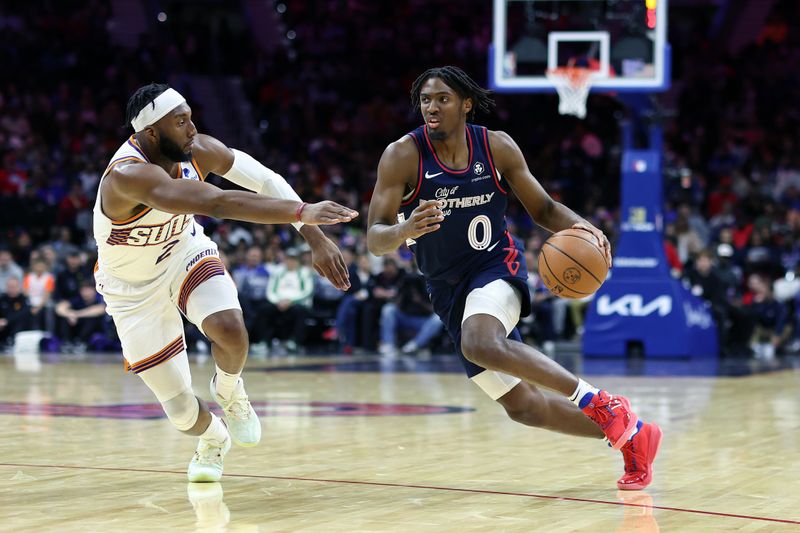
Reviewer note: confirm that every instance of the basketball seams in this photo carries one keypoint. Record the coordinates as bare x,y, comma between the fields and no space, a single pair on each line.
557,278
587,240
574,261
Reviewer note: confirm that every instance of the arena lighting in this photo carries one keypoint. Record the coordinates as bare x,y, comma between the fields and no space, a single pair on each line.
651,13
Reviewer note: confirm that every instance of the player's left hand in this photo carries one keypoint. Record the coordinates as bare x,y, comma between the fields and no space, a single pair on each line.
329,263
602,240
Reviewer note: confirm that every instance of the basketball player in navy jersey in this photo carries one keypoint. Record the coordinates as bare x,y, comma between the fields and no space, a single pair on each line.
443,189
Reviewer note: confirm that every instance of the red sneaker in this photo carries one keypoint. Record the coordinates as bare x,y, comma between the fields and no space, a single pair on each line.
639,455
614,416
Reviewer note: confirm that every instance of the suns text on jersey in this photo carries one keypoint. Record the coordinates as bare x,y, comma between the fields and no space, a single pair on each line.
150,235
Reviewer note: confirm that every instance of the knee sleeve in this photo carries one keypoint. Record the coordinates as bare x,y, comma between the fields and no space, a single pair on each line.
494,383
182,410
498,299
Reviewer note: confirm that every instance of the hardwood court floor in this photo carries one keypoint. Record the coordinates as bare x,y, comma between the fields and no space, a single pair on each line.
359,451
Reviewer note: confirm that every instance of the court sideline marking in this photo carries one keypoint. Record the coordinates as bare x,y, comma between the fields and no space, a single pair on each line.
425,487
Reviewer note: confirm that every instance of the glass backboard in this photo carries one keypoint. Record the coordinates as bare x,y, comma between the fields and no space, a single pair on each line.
623,42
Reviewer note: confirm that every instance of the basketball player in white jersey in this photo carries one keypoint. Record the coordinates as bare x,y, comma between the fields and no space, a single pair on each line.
155,263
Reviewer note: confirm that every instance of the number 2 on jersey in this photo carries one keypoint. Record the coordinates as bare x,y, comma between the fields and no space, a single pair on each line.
167,250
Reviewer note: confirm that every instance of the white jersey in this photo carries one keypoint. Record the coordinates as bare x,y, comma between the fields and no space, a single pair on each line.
138,249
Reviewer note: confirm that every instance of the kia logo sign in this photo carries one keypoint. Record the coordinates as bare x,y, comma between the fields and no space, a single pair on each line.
634,305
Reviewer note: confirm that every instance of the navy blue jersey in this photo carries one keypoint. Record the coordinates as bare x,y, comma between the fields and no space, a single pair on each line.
474,228
473,247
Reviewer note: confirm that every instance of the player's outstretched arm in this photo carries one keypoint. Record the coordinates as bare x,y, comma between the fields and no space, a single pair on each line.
149,185
242,169
397,169
545,211
245,171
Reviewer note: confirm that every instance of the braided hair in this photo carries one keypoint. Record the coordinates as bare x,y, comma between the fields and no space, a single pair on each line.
143,96
461,83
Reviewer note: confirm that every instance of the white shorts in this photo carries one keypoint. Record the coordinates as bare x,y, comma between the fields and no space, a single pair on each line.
502,301
148,315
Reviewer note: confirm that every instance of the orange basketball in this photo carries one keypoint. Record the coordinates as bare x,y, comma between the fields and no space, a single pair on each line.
571,264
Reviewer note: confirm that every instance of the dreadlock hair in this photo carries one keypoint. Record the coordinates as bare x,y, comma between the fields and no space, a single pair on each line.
142,97
461,83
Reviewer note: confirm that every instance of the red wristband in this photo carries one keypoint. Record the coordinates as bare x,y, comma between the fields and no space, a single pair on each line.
299,211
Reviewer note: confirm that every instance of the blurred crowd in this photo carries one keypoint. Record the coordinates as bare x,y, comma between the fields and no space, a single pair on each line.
324,108
733,186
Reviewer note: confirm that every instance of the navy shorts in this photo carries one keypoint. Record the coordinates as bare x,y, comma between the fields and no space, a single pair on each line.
449,297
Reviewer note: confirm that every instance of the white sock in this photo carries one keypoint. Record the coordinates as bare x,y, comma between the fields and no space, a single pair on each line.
225,383
581,392
217,432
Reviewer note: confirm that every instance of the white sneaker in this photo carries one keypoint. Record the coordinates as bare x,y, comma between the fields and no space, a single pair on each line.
209,508
387,350
206,465
259,350
241,419
410,347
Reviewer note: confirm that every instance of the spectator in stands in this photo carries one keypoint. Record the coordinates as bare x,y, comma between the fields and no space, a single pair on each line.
15,313
327,298
9,269
695,221
720,203
290,294
723,219
729,272
671,253
787,291
733,255
741,232
252,281
81,317
761,255
706,282
61,242
35,215
688,241
38,286
347,315
411,309
767,316
382,288
71,205
68,280
48,255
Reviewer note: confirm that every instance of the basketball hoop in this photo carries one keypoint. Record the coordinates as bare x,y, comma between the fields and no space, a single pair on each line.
572,84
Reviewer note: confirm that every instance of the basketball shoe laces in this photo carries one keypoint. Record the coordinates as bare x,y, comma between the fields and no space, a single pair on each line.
603,413
209,454
238,406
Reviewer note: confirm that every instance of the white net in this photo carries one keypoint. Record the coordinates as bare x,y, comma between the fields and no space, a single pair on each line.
572,84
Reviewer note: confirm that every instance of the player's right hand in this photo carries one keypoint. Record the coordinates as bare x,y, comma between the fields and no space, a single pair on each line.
426,218
326,213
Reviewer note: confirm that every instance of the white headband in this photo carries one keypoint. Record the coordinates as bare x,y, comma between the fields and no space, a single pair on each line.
151,113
